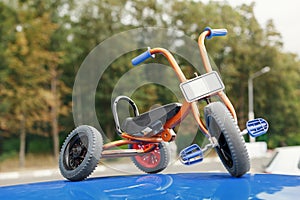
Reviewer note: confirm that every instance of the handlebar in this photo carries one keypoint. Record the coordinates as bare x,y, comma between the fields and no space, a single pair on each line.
215,32
147,54
142,57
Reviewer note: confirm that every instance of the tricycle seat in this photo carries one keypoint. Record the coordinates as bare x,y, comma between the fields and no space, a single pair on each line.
151,122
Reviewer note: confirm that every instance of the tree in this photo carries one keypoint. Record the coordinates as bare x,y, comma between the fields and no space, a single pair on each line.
29,63
7,30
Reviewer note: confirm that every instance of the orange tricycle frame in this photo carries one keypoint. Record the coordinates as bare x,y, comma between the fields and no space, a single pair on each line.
184,110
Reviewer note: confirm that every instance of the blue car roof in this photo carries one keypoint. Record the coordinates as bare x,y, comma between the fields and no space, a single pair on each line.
162,186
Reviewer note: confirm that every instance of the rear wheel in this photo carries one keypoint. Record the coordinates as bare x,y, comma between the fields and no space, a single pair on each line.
80,153
231,149
153,161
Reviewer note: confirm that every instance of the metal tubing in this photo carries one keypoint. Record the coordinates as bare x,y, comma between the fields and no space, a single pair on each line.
208,68
121,153
142,139
118,143
172,62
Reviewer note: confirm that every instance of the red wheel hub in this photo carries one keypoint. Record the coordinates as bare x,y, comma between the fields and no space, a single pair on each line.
148,160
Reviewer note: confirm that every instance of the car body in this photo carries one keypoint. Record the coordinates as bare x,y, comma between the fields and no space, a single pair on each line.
162,186
286,160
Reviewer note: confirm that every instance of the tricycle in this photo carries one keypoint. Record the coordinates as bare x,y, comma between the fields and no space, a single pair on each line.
144,136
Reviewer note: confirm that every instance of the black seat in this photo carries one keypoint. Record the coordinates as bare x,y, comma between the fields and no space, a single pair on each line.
151,122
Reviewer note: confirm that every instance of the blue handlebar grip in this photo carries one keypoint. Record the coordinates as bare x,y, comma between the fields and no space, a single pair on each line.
141,58
215,32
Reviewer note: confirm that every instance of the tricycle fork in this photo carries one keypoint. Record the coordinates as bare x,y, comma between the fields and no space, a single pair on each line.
208,33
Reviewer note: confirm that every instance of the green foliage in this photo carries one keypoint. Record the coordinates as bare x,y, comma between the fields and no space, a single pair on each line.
44,42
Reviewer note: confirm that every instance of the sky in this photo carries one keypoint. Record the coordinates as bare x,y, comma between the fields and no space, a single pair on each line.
285,15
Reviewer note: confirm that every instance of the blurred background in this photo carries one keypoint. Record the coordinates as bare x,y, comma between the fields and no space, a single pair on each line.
43,44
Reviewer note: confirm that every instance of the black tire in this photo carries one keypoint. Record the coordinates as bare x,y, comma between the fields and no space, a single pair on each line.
154,161
231,149
80,153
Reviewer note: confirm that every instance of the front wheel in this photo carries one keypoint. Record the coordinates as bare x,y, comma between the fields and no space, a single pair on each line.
153,161
231,149
80,153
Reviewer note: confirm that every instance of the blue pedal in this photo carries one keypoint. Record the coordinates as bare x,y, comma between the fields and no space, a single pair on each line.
191,155
257,127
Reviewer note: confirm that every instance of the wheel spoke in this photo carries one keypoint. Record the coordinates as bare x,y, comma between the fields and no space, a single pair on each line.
227,155
150,159
75,152
224,150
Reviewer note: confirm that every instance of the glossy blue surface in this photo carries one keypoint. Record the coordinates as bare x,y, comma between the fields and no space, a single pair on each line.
163,186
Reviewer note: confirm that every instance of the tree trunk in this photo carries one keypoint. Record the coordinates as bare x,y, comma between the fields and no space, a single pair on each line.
22,142
54,115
